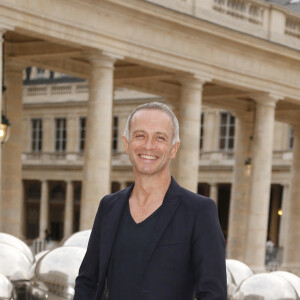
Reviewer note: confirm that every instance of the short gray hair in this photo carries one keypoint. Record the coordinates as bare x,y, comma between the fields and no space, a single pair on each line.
155,106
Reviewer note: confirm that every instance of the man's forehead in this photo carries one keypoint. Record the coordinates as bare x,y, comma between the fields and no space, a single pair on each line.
155,114
159,121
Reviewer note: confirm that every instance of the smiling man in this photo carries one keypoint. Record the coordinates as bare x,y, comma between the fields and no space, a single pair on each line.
154,240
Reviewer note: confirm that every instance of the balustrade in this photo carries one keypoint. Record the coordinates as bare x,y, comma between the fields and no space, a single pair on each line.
247,10
292,27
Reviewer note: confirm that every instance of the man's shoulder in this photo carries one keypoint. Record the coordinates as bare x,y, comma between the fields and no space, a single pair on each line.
110,199
194,200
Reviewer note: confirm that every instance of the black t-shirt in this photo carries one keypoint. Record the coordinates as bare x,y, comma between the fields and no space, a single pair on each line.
128,257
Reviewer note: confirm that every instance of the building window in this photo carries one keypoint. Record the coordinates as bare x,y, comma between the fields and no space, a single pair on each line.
202,131
36,135
40,73
82,133
115,134
60,134
226,132
291,138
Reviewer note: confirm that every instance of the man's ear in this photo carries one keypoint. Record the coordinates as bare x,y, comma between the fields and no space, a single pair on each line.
126,146
174,150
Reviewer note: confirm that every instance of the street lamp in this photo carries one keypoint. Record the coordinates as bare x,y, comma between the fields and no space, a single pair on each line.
4,129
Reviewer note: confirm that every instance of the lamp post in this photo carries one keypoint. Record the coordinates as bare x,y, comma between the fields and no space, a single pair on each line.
5,125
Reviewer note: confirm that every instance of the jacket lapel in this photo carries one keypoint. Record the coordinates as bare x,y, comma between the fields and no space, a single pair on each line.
170,204
109,227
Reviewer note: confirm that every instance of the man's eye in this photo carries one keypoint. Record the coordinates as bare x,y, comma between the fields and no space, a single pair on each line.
139,135
161,138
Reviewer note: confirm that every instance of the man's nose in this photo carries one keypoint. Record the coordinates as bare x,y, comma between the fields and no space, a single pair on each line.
149,143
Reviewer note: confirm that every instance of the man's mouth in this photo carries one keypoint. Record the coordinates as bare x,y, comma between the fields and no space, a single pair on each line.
147,156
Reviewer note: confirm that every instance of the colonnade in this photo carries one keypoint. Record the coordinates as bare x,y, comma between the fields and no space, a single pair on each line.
250,194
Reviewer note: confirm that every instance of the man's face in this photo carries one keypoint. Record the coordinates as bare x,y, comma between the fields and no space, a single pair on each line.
150,146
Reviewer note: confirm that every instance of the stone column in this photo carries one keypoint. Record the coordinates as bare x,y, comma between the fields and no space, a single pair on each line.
285,217
291,254
262,150
187,160
240,196
11,192
213,192
97,154
44,209
69,210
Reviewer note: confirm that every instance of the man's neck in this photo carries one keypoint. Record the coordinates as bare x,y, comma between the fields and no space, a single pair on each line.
149,189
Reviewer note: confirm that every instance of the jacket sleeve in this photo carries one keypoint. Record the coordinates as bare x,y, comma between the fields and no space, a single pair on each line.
208,254
86,283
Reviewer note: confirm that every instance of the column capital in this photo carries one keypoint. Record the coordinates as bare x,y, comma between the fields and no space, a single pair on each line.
193,80
296,128
102,58
3,29
265,99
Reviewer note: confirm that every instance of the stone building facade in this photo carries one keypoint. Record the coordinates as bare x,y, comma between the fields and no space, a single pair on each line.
54,119
234,62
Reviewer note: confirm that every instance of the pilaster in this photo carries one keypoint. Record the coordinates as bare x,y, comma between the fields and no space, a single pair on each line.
122,124
210,142
48,134
72,134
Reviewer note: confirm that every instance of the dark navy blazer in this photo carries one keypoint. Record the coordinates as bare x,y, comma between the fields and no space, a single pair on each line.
186,257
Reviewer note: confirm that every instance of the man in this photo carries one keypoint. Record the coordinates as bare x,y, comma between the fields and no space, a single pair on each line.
154,240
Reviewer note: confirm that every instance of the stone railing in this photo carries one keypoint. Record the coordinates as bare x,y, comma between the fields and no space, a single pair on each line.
256,17
246,10
57,89
292,27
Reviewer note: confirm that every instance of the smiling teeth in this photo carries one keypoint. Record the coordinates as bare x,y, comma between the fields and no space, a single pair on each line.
148,157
